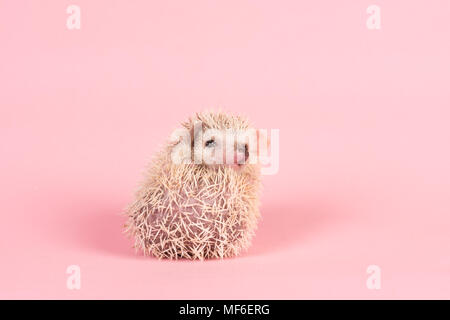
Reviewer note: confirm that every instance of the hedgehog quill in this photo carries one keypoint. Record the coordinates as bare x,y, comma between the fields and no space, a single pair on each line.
200,195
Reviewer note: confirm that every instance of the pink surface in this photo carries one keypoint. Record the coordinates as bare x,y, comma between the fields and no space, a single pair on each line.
364,132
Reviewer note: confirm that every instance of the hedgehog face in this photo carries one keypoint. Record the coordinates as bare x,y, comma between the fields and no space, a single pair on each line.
223,147
215,139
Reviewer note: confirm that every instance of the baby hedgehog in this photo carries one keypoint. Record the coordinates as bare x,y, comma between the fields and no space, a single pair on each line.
199,198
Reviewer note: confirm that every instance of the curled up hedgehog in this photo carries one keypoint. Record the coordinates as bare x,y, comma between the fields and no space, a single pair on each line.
200,195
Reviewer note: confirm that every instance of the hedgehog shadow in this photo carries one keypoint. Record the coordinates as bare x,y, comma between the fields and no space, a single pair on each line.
282,227
102,231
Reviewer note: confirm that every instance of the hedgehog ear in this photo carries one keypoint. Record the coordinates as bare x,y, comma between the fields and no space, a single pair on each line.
180,146
185,144
196,133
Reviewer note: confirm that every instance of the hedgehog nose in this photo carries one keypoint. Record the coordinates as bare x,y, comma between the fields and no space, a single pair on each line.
239,158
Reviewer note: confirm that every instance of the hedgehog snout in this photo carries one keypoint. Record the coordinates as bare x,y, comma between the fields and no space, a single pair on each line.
241,155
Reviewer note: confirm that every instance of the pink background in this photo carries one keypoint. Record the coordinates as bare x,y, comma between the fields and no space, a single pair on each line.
364,132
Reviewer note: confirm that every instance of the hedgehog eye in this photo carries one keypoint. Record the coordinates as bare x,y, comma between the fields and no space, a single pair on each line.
210,143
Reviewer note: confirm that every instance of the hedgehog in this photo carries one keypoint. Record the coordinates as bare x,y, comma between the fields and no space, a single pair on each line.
200,195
